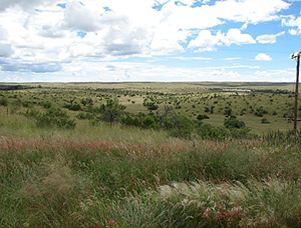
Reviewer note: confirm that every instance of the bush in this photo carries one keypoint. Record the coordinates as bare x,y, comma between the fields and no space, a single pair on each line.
3,101
87,101
112,111
206,131
265,121
232,122
131,120
85,116
73,106
228,111
46,104
150,105
202,117
54,118
150,121
180,126
260,112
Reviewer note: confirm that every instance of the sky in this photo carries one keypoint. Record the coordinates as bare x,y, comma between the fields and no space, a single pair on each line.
148,40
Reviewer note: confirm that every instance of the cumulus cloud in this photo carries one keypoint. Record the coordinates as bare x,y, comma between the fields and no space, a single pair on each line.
263,57
34,34
206,41
234,36
79,17
269,38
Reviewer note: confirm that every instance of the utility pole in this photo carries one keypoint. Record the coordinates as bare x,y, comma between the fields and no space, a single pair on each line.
297,57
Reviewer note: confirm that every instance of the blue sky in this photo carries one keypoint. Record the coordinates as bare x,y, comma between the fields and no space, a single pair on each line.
148,40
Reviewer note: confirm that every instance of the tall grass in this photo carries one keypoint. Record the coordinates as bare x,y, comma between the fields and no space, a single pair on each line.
271,203
283,137
74,183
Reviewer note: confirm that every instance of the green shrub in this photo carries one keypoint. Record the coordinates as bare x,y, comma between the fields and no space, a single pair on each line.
73,106
87,101
180,126
265,121
131,120
3,101
228,111
85,116
112,111
150,105
260,112
46,104
207,131
150,121
54,118
202,117
233,122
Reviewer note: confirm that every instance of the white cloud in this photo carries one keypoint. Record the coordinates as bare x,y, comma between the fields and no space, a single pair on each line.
37,33
263,57
269,38
78,16
5,50
206,41
24,4
234,36
249,11
79,71
294,23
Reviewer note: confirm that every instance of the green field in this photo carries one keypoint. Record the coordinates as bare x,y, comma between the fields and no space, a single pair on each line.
189,99
70,158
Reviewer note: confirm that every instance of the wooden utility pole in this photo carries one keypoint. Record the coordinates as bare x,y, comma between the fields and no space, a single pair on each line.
297,57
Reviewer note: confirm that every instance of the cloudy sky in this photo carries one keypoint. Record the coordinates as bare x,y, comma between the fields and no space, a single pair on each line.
148,40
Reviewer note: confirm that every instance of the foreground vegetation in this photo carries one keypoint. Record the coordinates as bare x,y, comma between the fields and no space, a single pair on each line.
105,166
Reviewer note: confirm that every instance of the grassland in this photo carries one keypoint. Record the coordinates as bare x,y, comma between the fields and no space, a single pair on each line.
100,174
